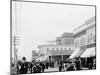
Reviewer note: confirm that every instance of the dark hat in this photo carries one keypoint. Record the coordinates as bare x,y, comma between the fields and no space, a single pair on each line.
24,58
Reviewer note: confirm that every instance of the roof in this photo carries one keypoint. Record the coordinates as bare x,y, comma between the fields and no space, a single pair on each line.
66,34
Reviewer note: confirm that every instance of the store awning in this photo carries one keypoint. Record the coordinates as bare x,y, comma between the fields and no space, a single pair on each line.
76,53
89,52
93,53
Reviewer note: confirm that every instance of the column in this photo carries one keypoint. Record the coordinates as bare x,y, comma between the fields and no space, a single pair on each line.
62,57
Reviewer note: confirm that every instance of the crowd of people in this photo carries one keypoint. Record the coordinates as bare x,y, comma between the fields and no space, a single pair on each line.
77,64
24,67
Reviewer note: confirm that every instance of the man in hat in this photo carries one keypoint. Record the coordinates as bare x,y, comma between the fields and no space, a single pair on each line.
24,66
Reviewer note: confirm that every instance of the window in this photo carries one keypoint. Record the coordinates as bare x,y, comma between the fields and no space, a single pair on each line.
52,48
65,48
76,43
82,41
57,49
61,49
47,48
90,38
94,38
69,48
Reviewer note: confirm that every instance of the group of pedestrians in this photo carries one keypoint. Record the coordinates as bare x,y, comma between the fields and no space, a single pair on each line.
24,67
75,64
69,65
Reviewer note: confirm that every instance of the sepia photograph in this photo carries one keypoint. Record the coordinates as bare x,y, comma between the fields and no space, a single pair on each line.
52,37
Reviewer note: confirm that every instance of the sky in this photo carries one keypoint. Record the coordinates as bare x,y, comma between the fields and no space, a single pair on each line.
36,23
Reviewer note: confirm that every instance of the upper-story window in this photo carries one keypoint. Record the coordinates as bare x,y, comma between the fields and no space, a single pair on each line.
47,49
69,48
82,41
91,38
94,38
76,43
61,49
52,48
57,49
65,48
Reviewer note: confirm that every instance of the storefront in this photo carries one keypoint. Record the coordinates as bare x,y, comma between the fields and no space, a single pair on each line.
85,39
78,52
59,55
89,55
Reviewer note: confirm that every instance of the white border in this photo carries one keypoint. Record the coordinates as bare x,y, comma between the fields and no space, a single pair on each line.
5,37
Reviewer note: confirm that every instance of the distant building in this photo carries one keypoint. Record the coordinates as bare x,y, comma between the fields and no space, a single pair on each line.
61,50
56,52
65,39
82,37
58,40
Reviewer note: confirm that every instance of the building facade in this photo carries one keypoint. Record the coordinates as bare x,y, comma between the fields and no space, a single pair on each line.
85,39
65,39
56,52
85,35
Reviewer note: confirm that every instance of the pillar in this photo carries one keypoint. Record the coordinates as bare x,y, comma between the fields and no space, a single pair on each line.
62,57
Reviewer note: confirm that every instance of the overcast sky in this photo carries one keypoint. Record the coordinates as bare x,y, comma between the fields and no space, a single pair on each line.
39,22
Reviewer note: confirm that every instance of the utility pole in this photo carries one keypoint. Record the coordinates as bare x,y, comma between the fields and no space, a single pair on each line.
15,43
15,55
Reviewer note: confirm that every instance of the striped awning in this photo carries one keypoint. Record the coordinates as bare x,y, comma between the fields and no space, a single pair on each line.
76,53
89,52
